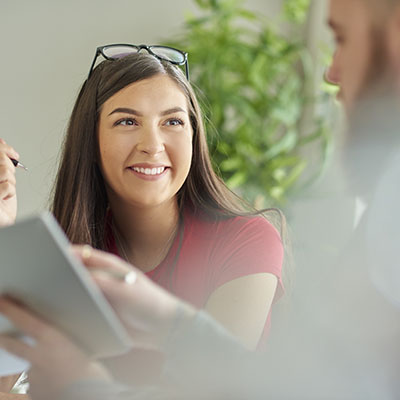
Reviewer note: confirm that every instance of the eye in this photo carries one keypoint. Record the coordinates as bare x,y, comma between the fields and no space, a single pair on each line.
126,122
174,122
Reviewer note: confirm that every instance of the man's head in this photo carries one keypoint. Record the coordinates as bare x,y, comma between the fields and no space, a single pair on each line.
367,37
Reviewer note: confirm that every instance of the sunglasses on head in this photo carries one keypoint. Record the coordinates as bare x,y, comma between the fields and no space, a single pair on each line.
165,53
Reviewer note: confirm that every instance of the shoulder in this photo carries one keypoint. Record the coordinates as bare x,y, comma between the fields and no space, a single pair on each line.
243,231
255,224
221,250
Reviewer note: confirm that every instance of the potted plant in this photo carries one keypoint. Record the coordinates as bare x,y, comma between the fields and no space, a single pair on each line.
251,82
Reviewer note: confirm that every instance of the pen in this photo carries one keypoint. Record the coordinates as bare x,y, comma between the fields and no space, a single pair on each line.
18,164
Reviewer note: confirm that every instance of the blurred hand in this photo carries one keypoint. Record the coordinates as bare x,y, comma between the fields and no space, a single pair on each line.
7,383
8,196
146,310
13,396
55,361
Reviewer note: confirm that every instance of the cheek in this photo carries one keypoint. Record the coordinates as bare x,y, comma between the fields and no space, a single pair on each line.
183,156
109,157
104,164
112,149
104,155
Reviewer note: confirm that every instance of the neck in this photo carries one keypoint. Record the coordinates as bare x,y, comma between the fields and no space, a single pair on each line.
145,235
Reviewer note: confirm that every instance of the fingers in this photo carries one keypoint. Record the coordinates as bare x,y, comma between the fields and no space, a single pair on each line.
92,258
23,319
113,289
137,306
8,382
7,171
8,151
7,186
55,360
17,346
111,274
7,191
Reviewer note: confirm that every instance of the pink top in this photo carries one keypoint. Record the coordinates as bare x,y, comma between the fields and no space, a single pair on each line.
207,253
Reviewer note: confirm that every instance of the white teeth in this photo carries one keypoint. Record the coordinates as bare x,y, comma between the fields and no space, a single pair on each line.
149,171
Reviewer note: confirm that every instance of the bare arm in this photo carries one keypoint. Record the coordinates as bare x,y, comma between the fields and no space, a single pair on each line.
242,306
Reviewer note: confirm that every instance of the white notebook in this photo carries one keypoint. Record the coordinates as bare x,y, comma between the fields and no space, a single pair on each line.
37,268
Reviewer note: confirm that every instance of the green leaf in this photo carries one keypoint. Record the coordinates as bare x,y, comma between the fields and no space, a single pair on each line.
231,164
236,180
296,10
247,14
285,144
294,175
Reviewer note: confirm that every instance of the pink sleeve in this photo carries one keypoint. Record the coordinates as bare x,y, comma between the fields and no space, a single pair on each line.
247,246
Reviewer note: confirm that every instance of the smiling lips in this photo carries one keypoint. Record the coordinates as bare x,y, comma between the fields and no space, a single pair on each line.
148,173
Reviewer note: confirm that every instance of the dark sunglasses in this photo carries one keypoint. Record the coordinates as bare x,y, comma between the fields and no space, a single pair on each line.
165,53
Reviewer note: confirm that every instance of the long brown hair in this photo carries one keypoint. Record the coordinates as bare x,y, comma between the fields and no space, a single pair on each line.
79,195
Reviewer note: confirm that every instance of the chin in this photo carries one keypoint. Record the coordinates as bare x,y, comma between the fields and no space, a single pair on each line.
148,202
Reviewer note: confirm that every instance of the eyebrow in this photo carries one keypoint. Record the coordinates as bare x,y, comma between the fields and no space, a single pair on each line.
173,110
139,114
126,111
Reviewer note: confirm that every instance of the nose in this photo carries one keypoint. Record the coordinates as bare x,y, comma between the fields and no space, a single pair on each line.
150,141
332,74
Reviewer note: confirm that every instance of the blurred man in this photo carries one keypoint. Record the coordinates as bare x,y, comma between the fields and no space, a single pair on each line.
366,34
347,313
366,65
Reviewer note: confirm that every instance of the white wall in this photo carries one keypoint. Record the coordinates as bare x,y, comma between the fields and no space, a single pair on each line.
46,50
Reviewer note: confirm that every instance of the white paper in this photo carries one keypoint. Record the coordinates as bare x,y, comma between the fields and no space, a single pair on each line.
10,364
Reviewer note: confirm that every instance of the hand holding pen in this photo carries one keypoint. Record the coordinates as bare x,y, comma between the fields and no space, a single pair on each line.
12,155
8,193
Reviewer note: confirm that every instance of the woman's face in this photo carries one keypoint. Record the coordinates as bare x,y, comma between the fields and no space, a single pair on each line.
145,142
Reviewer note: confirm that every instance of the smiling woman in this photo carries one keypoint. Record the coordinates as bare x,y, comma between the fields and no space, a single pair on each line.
146,148
136,180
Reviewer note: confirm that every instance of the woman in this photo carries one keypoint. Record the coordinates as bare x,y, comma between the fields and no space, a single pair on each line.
136,179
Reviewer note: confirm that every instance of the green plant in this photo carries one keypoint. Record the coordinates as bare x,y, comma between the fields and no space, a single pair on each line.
251,84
